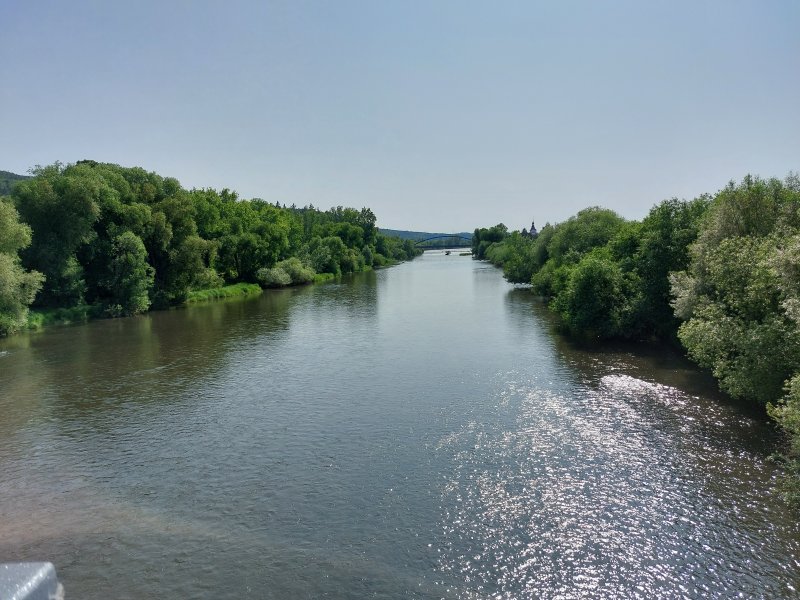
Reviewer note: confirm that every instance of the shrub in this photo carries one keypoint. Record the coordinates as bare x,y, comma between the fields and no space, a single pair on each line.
297,271
274,277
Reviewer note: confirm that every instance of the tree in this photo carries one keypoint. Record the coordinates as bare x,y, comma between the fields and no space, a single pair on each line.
738,295
483,238
590,228
17,286
326,254
367,220
518,262
61,209
130,277
648,252
590,304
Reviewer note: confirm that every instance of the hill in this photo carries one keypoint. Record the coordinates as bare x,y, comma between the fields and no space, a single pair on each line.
7,181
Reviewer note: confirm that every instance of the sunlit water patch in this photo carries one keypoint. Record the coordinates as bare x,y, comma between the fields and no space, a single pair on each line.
613,491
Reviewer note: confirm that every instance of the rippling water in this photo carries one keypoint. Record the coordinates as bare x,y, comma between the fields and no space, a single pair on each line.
415,432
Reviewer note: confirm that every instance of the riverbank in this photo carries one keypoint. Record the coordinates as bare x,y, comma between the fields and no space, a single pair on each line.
46,317
40,319
228,291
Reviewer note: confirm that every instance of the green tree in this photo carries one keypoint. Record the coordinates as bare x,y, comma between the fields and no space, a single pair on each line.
326,254
61,209
590,228
515,255
590,303
559,248
665,237
483,238
130,277
17,287
738,294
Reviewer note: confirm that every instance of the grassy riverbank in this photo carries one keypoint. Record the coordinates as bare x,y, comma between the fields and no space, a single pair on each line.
41,318
227,291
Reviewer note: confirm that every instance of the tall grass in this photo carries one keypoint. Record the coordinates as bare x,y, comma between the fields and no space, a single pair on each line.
228,291
39,318
323,277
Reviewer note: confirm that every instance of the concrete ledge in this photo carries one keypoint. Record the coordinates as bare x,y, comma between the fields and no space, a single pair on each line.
29,581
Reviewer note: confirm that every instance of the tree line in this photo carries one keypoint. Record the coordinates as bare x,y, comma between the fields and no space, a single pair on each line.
719,275
121,241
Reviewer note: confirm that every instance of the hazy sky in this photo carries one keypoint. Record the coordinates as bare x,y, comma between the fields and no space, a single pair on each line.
440,116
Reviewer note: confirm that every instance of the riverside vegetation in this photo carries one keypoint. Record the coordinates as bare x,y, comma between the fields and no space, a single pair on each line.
718,274
96,239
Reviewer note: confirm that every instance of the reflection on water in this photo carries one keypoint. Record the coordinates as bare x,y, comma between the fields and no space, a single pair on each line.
419,431
618,491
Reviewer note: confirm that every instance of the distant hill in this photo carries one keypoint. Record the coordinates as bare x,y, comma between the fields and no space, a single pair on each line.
420,235
7,181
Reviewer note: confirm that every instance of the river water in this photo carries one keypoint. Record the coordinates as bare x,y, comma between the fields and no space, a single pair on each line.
416,432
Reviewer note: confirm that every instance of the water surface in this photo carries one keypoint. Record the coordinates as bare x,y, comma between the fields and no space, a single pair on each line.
415,432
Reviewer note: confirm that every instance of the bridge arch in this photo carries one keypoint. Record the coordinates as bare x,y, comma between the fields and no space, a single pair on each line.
445,236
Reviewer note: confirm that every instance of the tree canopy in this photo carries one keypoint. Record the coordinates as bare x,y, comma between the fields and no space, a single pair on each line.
123,240
18,287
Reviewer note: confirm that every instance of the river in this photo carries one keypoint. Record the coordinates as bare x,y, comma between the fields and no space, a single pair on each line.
414,432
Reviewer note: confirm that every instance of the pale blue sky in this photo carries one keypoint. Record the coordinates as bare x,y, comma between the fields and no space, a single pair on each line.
437,115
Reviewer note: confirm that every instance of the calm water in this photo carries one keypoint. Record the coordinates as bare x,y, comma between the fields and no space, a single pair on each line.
414,432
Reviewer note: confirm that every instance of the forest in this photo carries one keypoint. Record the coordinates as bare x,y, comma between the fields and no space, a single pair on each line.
719,275
100,240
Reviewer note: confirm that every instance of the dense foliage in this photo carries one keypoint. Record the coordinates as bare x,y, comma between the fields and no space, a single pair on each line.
606,277
122,240
17,286
720,275
483,238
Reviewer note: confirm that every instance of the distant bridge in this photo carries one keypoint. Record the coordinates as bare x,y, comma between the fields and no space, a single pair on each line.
459,241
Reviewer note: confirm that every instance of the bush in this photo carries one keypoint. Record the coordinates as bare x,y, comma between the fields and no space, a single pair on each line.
291,271
274,277
297,271
787,414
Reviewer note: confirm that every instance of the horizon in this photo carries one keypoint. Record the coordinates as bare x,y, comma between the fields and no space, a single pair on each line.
454,231
440,117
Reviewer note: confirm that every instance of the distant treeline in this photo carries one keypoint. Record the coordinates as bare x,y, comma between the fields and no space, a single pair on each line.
719,274
117,241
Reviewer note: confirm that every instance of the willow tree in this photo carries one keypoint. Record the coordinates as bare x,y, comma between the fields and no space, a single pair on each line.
17,286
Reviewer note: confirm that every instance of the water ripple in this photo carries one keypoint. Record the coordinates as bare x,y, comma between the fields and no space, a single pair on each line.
596,493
